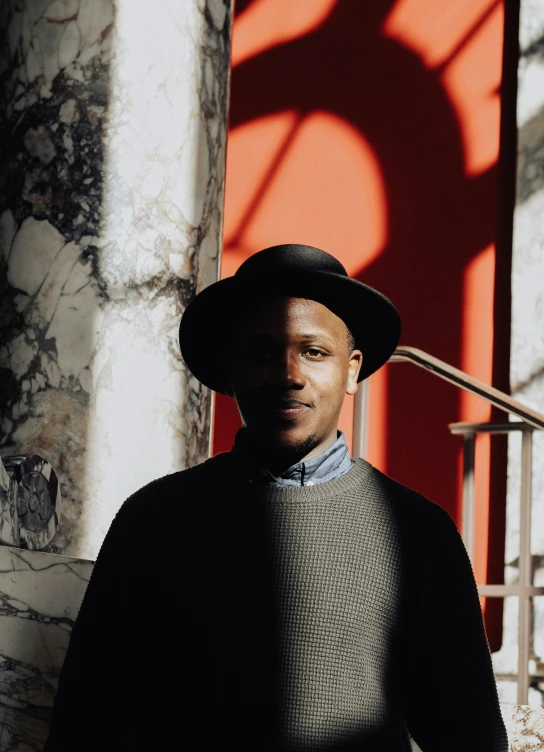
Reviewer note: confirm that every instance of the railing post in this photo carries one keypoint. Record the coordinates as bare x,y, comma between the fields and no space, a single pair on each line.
523,589
531,420
467,512
525,574
361,405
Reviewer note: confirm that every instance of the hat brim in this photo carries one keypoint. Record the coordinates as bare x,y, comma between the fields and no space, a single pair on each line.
214,313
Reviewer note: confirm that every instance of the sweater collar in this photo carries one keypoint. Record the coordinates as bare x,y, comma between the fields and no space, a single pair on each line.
335,461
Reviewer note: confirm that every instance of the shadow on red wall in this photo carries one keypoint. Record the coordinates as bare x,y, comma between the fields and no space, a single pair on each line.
439,219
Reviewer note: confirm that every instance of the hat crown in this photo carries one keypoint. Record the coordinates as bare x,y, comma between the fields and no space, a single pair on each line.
290,258
287,270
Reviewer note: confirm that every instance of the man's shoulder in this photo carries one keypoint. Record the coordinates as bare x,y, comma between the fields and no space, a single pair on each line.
427,531
174,495
411,506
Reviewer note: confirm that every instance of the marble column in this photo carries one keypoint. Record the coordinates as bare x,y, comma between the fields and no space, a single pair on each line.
113,133
527,344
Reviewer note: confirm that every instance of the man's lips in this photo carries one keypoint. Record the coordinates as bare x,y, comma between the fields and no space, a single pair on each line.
287,408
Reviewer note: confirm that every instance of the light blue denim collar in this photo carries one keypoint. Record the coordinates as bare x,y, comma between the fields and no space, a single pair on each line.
335,461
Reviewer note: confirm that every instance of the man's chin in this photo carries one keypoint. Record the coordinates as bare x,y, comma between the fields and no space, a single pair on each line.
288,441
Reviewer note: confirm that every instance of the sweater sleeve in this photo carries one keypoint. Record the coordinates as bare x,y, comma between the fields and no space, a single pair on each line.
452,702
89,706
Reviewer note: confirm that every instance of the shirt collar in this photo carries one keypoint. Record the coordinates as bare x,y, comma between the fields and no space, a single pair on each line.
333,462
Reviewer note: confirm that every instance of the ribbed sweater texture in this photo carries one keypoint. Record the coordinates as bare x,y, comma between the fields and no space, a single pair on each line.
223,615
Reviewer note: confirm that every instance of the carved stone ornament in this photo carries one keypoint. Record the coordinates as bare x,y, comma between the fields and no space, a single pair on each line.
29,502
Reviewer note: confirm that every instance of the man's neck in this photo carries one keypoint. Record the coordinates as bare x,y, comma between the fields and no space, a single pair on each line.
277,460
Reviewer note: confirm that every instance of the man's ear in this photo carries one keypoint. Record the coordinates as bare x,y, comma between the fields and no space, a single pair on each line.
355,364
227,388
227,385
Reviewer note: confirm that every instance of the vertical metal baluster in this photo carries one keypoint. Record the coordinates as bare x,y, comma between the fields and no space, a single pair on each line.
212,417
525,565
467,512
361,405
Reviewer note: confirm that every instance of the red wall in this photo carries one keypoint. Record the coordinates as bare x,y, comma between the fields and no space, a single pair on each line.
371,130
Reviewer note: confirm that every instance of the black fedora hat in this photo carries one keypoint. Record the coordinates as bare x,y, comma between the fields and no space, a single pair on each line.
290,270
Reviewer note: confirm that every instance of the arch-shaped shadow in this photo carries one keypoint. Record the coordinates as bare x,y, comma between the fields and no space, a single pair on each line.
439,218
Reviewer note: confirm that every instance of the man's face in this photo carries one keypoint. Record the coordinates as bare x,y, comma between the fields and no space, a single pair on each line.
290,369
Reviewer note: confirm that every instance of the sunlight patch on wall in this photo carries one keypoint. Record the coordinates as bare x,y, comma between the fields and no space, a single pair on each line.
325,190
477,360
477,350
455,40
434,30
257,146
477,98
267,23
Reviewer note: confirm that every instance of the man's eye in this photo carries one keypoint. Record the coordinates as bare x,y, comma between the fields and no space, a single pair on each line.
314,353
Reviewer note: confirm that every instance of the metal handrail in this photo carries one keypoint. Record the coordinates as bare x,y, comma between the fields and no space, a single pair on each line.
468,383
450,374
530,420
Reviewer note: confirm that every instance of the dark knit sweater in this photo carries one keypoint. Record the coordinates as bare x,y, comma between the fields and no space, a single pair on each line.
222,615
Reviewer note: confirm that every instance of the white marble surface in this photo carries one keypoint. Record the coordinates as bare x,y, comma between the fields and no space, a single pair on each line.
110,220
527,358
527,730
527,343
40,596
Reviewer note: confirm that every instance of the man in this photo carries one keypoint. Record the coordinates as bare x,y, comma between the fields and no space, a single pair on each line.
309,602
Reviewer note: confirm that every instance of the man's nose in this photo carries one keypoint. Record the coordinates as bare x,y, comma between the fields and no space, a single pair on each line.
288,371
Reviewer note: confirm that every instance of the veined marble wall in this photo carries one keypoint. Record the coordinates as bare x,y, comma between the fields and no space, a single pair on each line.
527,345
527,729
113,133
40,596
